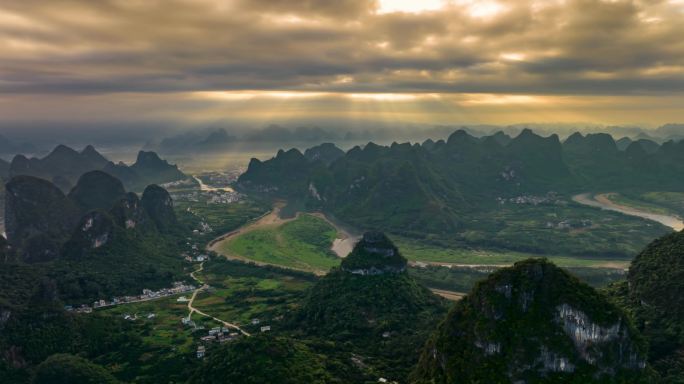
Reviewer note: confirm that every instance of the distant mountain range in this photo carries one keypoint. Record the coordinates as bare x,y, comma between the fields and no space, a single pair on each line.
63,167
431,187
224,139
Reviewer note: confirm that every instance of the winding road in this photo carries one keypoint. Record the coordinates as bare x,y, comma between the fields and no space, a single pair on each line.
192,309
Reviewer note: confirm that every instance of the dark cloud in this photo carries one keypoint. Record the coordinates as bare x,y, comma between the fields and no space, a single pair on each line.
164,46
173,49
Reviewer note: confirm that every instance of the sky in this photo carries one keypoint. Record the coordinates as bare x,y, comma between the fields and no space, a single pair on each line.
128,63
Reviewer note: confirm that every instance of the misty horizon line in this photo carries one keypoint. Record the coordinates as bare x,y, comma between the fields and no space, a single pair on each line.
206,139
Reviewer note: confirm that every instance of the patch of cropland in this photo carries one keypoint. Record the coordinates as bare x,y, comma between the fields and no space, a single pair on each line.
662,202
442,253
486,193
302,243
209,220
242,292
463,279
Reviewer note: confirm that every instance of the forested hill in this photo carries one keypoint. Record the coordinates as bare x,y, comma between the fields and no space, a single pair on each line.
431,187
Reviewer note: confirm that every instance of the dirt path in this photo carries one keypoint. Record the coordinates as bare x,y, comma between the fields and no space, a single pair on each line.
192,309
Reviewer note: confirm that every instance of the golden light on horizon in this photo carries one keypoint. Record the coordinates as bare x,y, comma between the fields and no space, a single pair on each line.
412,6
494,61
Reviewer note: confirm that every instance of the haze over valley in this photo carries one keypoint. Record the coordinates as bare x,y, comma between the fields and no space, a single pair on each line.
358,191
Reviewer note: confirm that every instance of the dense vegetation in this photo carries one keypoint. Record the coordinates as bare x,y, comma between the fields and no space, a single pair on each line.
120,247
369,318
382,318
654,296
68,369
220,218
263,359
486,192
535,323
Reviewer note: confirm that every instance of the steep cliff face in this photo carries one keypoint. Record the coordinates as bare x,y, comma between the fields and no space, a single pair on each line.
38,218
534,323
159,206
96,190
95,230
128,213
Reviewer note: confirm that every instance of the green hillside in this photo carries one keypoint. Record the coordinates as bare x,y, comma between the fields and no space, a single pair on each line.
534,323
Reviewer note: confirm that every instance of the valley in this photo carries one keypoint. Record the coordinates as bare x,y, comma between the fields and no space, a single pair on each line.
267,266
342,192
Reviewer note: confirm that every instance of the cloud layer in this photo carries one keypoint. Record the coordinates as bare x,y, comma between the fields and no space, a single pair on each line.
182,48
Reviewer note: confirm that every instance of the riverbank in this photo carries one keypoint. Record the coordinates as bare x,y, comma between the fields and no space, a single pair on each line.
603,201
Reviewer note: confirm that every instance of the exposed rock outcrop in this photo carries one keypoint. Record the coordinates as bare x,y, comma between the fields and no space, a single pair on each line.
530,323
95,230
128,213
374,254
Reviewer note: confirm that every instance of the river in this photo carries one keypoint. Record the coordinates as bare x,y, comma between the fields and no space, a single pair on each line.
601,201
207,188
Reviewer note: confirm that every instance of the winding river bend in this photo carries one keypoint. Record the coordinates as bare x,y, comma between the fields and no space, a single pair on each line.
341,246
603,202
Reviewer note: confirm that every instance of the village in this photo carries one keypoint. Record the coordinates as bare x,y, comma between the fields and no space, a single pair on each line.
549,198
219,335
218,196
147,294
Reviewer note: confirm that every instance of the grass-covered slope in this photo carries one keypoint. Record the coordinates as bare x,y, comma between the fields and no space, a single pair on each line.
303,243
534,323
